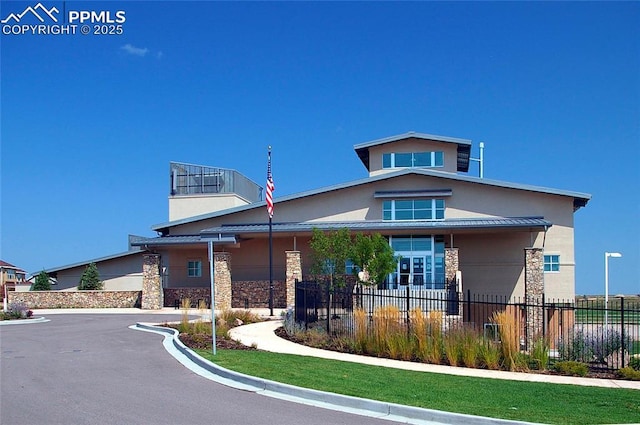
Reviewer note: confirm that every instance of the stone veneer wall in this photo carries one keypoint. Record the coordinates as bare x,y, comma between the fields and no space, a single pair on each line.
244,294
293,273
152,294
77,299
256,294
171,295
534,292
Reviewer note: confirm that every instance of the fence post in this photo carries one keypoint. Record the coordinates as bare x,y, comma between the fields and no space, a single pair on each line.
545,315
622,333
303,288
468,303
328,308
408,299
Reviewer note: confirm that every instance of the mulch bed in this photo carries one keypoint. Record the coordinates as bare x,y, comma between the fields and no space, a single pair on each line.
203,342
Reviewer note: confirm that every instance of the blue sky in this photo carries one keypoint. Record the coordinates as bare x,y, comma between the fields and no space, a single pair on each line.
90,122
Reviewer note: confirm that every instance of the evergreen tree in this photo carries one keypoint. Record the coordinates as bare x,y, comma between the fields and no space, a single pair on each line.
90,279
42,282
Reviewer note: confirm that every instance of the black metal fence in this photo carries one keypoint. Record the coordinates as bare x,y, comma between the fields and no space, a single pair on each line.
585,330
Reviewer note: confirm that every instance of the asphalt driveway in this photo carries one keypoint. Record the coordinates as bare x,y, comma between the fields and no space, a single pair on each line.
92,369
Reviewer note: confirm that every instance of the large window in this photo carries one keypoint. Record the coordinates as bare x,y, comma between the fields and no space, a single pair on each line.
413,159
413,209
194,268
552,263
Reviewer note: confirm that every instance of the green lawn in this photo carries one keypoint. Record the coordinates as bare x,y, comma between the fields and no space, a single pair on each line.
594,316
525,401
592,310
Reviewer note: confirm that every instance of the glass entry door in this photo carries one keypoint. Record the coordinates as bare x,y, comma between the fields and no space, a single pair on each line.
420,262
415,270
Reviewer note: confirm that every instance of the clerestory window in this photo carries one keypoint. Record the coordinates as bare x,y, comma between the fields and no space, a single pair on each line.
412,159
413,209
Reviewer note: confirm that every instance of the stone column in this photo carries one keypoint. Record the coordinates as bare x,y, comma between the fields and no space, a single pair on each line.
533,293
294,271
451,263
152,292
222,280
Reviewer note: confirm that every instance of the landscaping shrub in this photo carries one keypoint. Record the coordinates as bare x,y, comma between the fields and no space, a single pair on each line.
634,363
386,326
16,310
185,305
291,327
419,329
592,345
470,347
453,346
539,356
629,373
508,338
435,345
361,332
490,354
571,368
399,345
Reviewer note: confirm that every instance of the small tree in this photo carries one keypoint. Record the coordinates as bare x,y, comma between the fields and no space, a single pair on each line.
42,282
330,254
373,255
90,279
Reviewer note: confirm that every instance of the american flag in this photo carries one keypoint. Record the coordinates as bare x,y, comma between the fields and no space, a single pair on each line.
270,187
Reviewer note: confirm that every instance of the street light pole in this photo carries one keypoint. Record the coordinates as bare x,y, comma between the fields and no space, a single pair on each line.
606,286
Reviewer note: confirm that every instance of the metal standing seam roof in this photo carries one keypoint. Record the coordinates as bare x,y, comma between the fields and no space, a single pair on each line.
483,223
220,237
229,231
580,199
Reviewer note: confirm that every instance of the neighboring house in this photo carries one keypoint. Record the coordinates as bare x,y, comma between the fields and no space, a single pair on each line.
11,277
489,237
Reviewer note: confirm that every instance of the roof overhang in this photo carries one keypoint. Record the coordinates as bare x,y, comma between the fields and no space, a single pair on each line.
387,227
205,237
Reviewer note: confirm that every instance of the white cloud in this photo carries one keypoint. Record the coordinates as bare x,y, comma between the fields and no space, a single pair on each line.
133,50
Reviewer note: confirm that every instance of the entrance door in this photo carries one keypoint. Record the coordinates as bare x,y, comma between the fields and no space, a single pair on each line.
404,273
418,271
415,270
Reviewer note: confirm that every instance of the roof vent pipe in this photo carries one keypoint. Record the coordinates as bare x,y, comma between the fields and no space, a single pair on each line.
480,160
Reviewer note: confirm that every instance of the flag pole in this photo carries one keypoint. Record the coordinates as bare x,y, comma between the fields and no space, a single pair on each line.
270,269
270,204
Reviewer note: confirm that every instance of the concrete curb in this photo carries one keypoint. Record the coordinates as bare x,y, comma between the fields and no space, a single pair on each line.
23,321
361,406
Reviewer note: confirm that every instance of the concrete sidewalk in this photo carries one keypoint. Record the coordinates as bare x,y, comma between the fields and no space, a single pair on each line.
262,336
